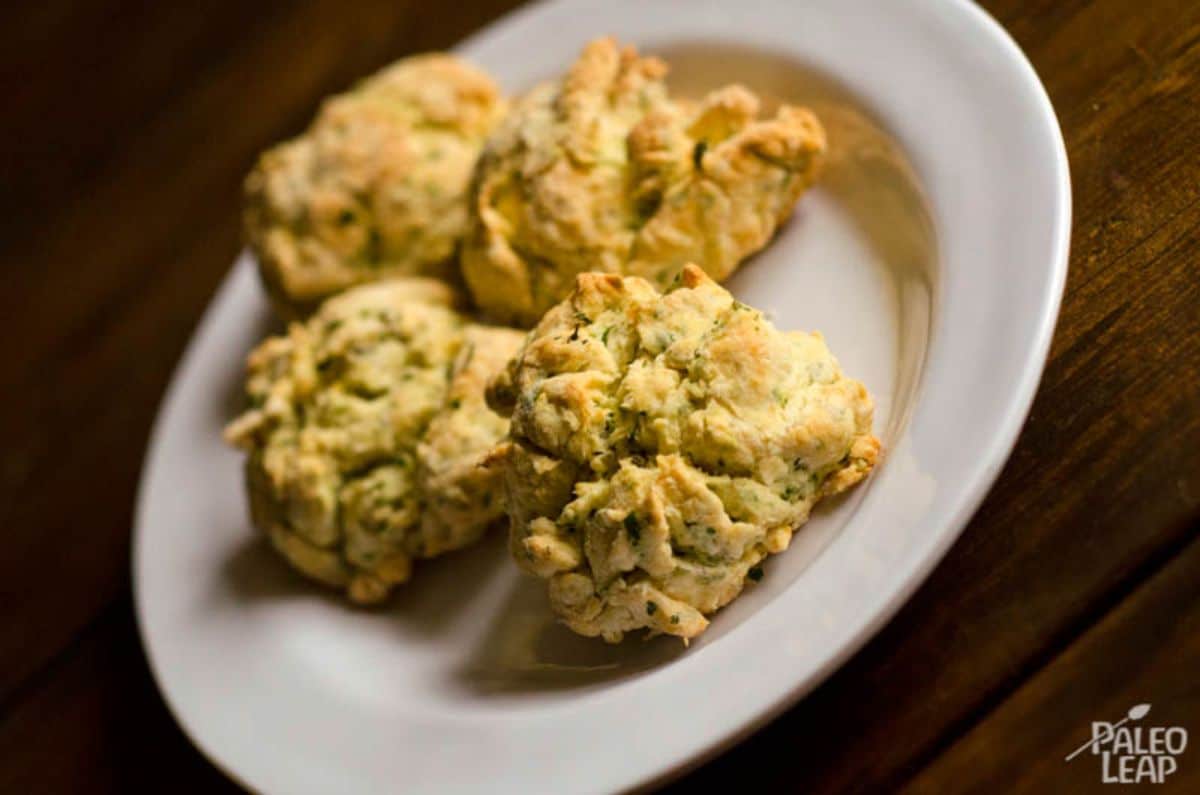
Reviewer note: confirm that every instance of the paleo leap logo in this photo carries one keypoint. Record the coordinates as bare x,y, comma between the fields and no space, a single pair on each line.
1133,755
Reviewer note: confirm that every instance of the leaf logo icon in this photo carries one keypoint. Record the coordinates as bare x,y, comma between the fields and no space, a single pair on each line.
1136,712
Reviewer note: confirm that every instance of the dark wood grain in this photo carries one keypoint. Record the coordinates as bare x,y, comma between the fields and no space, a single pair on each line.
1147,650
88,723
127,129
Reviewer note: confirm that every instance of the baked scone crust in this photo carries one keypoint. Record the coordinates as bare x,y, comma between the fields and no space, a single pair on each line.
463,489
663,444
368,433
376,187
602,171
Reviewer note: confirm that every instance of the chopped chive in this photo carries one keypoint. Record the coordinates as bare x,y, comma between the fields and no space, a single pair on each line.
632,528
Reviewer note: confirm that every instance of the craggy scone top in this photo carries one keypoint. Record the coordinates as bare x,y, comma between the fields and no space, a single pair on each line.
602,171
367,434
376,187
663,444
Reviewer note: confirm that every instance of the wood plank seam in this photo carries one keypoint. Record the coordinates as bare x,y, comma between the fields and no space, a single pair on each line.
29,685
1139,578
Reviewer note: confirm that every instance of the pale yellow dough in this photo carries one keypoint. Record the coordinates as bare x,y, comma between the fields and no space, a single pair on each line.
663,444
368,435
376,187
603,171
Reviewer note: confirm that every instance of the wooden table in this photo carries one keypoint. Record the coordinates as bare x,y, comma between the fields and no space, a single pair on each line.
1073,594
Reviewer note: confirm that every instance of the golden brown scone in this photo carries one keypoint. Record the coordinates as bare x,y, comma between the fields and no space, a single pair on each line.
376,186
367,434
602,171
663,444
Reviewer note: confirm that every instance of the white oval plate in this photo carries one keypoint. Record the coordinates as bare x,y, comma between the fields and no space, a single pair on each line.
933,257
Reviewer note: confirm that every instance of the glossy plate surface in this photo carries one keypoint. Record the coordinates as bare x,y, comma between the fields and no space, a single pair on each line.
932,256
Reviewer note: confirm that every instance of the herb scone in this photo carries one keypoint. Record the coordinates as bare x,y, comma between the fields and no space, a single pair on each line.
368,433
663,444
376,187
603,171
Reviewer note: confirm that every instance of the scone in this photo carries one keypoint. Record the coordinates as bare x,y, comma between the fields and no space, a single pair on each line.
662,445
603,171
376,187
368,433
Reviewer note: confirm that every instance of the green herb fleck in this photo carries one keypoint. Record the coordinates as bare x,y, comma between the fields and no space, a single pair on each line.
651,608
456,403
755,573
674,618
374,253
632,528
698,154
646,206
345,217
